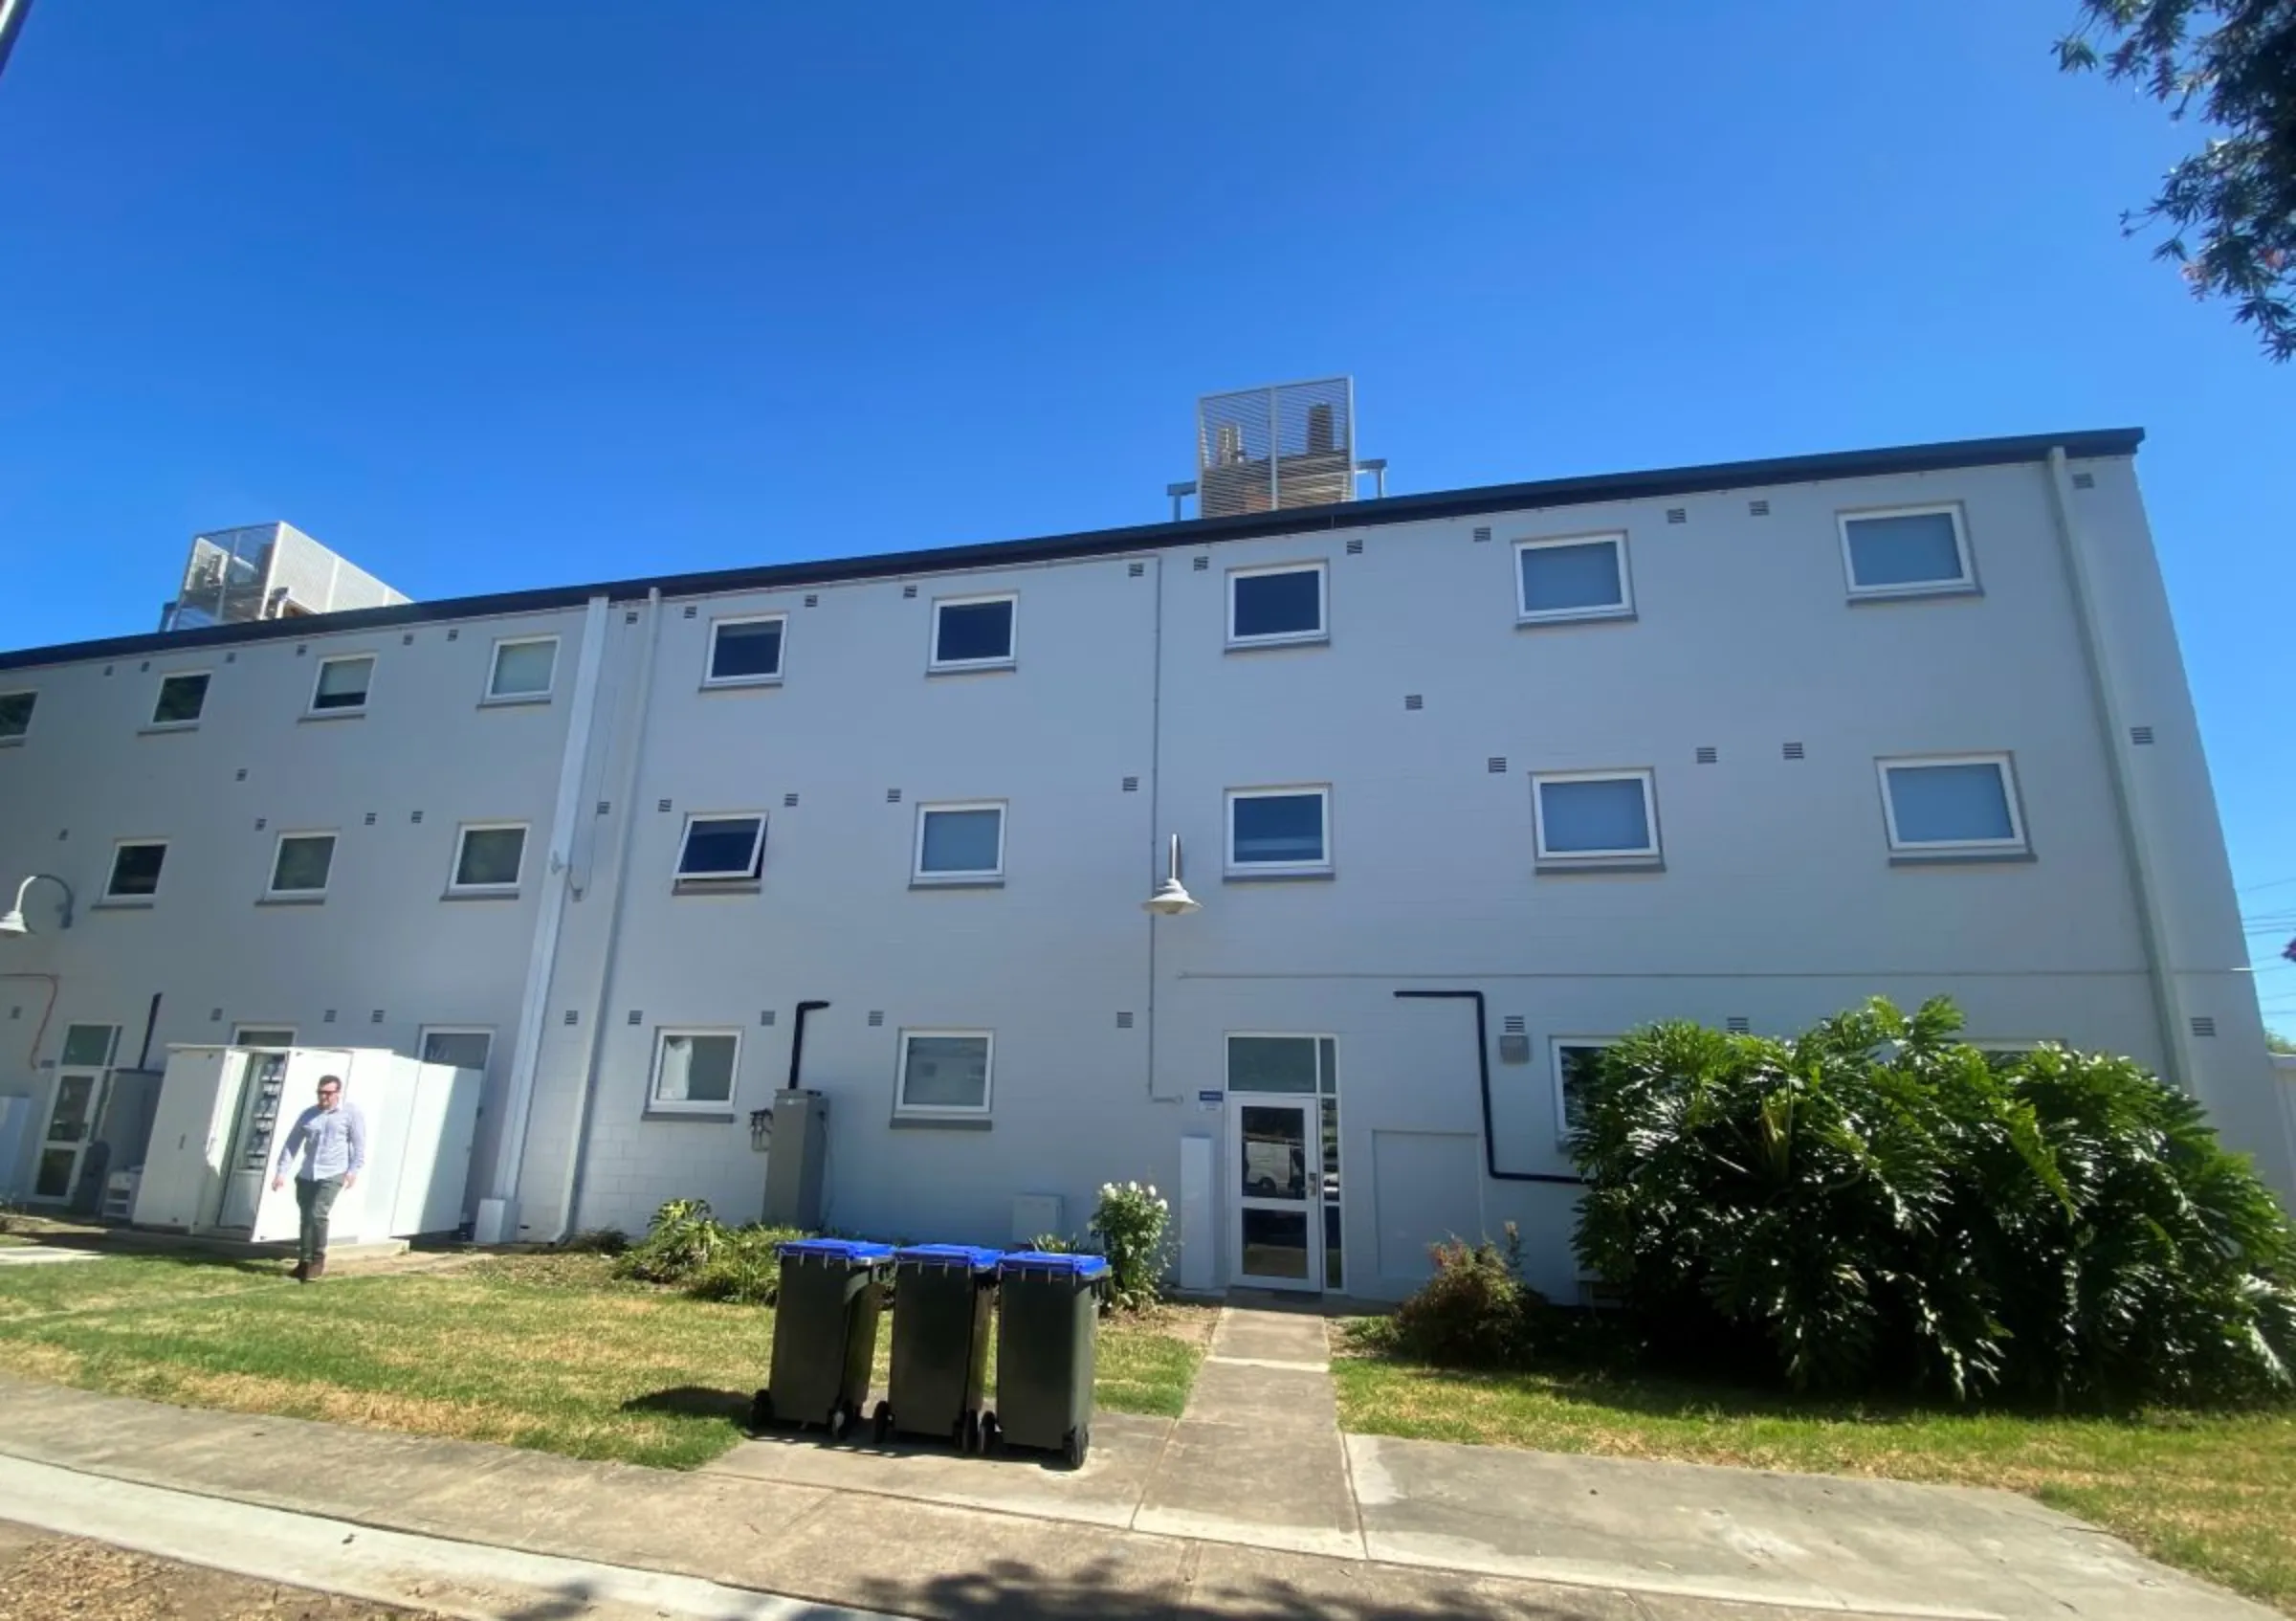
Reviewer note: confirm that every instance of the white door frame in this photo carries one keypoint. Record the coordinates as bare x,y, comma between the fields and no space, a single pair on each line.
1307,1176
99,1078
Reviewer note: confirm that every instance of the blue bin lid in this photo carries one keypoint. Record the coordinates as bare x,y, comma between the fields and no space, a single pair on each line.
1082,1267
835,1248
949,1254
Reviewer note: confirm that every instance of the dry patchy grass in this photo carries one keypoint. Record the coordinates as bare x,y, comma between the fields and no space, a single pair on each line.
2215,1493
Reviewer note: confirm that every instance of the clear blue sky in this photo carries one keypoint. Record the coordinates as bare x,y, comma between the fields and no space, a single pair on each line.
490,296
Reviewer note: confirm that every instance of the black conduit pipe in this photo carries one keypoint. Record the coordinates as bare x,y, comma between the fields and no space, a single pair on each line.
797,1040
1491,1147
150,1021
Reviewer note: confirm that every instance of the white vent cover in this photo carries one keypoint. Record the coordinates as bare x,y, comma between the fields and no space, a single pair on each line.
1262,450
1034,1215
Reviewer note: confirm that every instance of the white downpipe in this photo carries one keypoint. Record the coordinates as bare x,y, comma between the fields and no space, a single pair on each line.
2144,882
625,814
543,960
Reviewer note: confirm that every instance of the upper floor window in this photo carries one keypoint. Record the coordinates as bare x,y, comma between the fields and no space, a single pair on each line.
1952,804
945,1072
1905,551
974,633
15,713
1271,606
301,864
488,858
524,669
721,847
1279,829
1589,817
959,843
745,653
343,684
136,869
181,699
1580,577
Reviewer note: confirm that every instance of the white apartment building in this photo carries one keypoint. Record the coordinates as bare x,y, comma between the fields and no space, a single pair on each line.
1466,784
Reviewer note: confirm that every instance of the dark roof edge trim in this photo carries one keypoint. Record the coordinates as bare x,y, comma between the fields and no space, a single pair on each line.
1148,537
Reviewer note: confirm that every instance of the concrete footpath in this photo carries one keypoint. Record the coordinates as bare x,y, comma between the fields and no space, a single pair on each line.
1251,1505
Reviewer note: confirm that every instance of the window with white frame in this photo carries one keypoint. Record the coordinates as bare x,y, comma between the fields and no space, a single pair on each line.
522,671
1949,804
1273,831
300,865
974,633
1281,1063
136,865
1575,577
489,857
1594,817
959,843
263,1038
16,715
459,1047
1578,1060
693,1070
1266,606
181,699
721,849
745,652
945,1072
1905,551
343,684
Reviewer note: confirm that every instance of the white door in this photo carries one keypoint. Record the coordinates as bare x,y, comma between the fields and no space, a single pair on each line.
1274,1164
73,1109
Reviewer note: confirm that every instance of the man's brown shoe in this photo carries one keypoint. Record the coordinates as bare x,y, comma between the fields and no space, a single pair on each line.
301,1272
319,1269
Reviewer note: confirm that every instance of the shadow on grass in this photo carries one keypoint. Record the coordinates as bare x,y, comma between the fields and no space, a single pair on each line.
694,1401
257,1264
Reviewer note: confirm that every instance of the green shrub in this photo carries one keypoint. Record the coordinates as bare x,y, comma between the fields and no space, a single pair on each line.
685,1237
745,1267
1052,1244
1878,1206
1474,1312
1130,1221
596,1242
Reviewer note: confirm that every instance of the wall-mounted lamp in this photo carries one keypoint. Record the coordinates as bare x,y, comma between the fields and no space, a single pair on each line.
12,924
1172,899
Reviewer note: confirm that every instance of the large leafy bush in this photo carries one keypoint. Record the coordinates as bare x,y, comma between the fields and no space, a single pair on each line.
1879,1206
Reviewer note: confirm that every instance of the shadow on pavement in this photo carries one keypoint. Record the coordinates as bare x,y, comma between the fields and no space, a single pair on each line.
1011,1591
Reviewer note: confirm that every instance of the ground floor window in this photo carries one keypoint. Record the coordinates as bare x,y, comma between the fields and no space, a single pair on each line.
945,1072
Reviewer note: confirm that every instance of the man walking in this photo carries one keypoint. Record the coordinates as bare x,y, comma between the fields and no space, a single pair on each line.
328,1150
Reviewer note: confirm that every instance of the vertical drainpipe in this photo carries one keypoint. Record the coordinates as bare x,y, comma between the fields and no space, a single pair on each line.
1155,799
578,1151
2143,882
499,1215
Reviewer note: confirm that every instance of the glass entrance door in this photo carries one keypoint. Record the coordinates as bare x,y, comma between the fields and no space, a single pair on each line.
73,1111
1276,1165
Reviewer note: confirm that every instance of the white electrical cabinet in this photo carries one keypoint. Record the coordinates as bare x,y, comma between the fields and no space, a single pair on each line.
224,1111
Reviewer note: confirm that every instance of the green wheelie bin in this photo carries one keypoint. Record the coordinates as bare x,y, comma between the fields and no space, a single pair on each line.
942,1296
824,1334
1047,1328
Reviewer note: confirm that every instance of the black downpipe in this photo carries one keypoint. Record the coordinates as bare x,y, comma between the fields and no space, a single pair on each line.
797,1041
1491,1147
151,1022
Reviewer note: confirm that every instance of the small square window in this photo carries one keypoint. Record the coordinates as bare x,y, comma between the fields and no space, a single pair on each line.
973,632
522,669
136,870
181,699
1594,816
945,1072
89,1047
1577,1061
745,653
1271,606
694,1069
721,847
343,684
1582,577
470,1049
488,858
1952,804
301,864
959,843
1906,552
15,713
1287,829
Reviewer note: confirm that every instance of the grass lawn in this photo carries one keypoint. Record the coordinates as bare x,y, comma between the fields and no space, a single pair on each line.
2213,1494
543,1351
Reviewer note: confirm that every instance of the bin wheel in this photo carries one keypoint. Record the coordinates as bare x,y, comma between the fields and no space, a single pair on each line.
882,1422
841,1418
992,1435
1074,1445
761,1412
